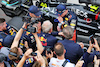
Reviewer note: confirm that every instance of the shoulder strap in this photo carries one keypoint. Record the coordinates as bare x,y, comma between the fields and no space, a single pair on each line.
64,63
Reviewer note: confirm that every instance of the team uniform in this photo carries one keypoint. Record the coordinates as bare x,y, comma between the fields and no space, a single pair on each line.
6,37
74,51
70,19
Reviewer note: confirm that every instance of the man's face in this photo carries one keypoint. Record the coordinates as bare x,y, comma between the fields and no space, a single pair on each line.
39,25
33,15
3,26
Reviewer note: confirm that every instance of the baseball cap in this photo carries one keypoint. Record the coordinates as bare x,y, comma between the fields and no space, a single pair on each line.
61,7
35,10
8,40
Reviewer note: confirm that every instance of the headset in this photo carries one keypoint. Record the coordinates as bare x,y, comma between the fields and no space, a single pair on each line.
2,57
13,54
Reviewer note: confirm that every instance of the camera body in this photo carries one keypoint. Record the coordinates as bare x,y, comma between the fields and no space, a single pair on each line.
34,54
31,29
91,38
48,49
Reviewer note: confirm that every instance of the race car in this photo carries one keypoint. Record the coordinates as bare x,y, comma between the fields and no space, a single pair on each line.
88,16
14,8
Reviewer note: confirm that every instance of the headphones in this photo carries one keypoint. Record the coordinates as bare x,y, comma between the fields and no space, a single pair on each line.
2,57
11,53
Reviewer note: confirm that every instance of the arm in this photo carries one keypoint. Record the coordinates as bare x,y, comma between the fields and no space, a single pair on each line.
26,55
49,55
96,62
90,47
96,45
17,37
40,59
87,54
64,13
38,42
79,64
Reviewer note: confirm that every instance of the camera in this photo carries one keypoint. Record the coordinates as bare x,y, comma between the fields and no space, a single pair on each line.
26,19
31,29
34,54
48,49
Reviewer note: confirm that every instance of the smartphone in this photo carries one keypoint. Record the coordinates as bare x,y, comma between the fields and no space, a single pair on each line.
91,38
34,54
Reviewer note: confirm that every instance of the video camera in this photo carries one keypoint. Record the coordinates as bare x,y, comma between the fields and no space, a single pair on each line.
31,22
2,57
34,54
31,29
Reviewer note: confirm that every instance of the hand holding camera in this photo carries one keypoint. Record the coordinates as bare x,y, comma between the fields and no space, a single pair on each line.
27,53
49,53
40,59
96,45
91,38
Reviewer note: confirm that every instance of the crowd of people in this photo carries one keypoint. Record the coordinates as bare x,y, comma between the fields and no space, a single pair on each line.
40,47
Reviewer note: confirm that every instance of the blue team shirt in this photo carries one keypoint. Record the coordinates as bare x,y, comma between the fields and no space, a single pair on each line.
73,50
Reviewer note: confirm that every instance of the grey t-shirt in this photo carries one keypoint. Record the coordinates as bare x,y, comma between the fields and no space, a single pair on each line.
5,50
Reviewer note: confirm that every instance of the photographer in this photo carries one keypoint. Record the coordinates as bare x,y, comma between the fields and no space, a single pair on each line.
28,36
34,12
90,59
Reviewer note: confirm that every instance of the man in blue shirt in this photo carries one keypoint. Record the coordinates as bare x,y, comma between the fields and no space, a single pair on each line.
34,13
46,38
74,51
3,35
69,17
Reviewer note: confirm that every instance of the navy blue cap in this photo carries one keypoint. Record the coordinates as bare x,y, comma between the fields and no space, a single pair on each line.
8,40
61,7
35,10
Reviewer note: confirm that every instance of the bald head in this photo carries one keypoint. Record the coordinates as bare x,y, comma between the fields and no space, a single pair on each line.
59,49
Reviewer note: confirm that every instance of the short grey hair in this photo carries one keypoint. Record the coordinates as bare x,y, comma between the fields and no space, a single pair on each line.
68,32
46,26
